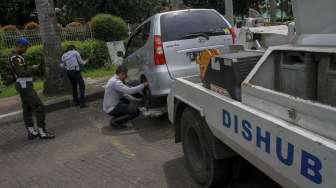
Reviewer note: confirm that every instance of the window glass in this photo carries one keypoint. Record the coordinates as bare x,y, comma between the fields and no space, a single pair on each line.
139,39
178,25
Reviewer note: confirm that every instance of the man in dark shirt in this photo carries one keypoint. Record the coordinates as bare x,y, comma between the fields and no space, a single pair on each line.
31,102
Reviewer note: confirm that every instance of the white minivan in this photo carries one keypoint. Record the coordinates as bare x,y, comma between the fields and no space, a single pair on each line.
166,45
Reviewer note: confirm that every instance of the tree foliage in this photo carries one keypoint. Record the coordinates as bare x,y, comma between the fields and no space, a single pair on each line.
130,10
16,11
240,6
19,12
109,28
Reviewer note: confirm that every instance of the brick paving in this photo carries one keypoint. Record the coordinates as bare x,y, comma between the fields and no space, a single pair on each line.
9,104
86,153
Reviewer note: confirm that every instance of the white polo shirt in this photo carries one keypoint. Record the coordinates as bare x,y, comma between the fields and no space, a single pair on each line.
115,89
72,60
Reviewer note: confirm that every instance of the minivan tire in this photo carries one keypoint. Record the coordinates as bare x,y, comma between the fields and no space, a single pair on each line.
147,97
152,102
201,163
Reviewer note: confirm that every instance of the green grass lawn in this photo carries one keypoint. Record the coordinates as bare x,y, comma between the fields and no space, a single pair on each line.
10,91
100,72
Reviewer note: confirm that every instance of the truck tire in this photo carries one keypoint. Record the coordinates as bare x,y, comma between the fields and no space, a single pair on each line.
204,168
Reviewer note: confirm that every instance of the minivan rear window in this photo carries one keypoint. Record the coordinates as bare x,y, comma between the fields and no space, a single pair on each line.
175,26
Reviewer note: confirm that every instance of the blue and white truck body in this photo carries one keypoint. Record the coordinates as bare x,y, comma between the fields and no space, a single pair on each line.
285,124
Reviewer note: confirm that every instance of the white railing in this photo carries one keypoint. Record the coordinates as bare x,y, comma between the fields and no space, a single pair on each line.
7,39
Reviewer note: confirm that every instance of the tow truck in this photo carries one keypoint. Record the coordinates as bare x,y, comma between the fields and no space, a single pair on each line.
284,122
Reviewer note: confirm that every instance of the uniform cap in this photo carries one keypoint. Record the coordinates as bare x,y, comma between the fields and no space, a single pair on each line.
23,41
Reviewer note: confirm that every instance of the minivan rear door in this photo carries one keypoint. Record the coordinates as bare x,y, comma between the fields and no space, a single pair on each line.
315,22
186,33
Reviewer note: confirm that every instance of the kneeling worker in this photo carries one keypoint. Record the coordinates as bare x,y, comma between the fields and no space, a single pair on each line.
115,102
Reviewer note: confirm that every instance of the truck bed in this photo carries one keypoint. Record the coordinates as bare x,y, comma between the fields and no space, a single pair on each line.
291,155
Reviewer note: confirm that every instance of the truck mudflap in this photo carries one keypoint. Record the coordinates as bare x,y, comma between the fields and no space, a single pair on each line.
291,155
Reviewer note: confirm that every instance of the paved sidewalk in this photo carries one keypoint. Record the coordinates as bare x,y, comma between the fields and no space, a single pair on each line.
86,153
10,104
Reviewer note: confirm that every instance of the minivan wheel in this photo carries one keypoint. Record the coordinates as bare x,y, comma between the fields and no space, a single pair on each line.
147,98
152,102
204,168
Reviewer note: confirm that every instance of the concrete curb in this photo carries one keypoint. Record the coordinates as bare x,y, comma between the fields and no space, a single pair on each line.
51,106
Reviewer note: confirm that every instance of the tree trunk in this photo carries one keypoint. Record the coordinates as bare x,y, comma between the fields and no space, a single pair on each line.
273,7
176,4
55,80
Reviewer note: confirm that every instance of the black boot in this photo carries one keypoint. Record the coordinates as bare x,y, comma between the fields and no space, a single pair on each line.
82,105
116,125
43,134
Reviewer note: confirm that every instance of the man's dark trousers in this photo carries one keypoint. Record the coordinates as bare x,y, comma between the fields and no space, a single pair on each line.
31,103
127,109
77,81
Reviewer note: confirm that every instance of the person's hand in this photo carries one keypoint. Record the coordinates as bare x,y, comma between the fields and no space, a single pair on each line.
145,84
86,61
36,67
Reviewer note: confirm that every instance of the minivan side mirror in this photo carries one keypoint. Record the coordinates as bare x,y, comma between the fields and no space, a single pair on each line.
120,54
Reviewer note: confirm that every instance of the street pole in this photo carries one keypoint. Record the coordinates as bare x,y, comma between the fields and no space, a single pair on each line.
273,7
176,4
229,10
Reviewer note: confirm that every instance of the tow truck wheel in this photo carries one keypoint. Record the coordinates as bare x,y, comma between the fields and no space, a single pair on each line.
204,168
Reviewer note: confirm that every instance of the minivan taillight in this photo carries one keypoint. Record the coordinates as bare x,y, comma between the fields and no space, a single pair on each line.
233,34
159,57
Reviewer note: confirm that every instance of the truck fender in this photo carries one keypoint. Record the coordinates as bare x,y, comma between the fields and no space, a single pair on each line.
219,149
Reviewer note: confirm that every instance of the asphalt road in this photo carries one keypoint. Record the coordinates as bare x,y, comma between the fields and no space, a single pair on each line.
88,153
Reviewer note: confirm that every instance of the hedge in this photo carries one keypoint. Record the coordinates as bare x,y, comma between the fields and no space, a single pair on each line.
31,26
8,28
2,39
94,50
74,24
109,28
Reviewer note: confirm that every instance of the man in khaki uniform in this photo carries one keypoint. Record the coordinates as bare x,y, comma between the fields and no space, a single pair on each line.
31,102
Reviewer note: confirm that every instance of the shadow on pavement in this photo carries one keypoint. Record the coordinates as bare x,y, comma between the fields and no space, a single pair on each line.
177,176
154,129
150,129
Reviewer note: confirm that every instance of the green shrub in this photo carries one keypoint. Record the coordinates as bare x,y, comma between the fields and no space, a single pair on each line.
34,56
2,39
4,55
109,28
2,86
94,50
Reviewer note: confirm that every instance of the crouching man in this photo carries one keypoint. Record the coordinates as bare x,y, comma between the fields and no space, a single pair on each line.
116,99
